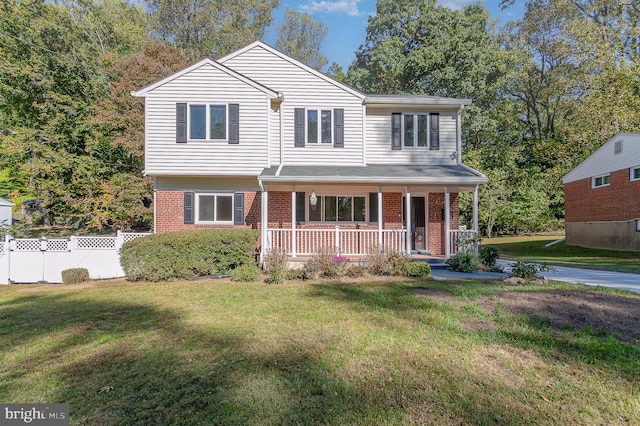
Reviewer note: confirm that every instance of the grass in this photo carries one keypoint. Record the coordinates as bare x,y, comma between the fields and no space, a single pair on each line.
531,249
216,352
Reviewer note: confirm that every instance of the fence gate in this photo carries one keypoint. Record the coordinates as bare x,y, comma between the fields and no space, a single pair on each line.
43,260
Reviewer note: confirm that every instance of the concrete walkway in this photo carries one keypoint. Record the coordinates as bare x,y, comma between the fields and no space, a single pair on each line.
621,280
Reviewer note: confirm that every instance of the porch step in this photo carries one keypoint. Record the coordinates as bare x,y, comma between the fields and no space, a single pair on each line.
422,252
434,262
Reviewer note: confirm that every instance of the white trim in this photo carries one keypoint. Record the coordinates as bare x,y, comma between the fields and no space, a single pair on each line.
207,117
414,100
631,170
144,91
602,176
310,70
447,223
196,207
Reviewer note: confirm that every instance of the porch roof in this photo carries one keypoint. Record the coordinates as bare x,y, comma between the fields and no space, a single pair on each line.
458,174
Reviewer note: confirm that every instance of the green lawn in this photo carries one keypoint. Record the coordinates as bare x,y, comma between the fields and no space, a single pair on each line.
531,249
216,352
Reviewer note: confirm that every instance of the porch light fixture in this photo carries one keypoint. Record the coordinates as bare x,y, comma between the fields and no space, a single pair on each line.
313,200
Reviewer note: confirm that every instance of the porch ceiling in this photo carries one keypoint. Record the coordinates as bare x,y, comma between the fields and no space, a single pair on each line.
376,174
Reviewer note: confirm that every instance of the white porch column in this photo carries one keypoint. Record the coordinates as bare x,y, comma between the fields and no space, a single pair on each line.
407,209
447,223
475,218
293,222
264,221
379,216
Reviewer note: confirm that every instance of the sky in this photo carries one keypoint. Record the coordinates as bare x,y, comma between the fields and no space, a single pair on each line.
347,22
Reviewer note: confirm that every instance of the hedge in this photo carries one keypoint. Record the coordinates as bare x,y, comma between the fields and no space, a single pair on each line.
187,254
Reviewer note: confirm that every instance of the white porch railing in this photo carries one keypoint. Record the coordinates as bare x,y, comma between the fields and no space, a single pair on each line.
463,239
348,242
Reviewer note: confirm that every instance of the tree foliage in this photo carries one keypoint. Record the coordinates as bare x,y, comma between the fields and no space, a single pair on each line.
301,37
210,28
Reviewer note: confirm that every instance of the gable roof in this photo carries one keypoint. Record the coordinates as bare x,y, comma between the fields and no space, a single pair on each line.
4,202
605,160
295,62
144,91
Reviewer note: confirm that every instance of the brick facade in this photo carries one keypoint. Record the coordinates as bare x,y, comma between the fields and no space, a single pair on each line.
170,214
616,202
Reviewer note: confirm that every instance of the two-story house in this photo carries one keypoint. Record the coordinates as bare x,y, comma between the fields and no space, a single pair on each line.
257,139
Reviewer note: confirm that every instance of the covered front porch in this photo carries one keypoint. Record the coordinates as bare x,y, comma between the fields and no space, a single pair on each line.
309,210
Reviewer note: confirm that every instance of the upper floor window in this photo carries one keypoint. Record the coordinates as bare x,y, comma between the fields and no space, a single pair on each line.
214,208
324,126
319,130
415,130
207,121
331,208
635,173
599,181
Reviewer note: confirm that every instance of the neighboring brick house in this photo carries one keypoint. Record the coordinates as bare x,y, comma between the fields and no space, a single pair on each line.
257,137
602,196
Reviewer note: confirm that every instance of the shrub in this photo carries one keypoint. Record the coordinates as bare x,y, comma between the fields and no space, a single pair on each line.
528,270
248,272
356,271
294,274
419,270
75,276
275,259
488,256
464,261
381,262
187,254
328,263
276,276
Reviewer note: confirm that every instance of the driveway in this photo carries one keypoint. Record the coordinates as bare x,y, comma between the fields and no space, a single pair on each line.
620,280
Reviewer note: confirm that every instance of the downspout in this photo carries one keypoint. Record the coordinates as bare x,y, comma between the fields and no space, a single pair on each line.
459,134
281,97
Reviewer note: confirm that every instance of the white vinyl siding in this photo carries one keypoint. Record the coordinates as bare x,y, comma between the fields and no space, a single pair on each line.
379,138
302,89
205,85
604,160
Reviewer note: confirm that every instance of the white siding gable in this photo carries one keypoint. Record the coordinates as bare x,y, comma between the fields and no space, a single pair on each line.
210,84
303,88
605,160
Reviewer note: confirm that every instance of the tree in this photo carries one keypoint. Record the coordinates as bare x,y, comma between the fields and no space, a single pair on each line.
210,28
336,72
301,37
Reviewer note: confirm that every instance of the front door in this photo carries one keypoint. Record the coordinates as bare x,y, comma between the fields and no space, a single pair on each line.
418,234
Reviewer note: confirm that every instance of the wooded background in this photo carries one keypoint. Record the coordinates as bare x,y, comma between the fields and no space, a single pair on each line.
547,91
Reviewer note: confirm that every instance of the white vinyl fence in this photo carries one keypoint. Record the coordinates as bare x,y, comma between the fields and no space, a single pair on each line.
33,260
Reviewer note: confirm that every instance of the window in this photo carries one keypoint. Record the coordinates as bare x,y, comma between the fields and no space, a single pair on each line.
207,121
599,181
330,208
415,130
318,126
635,173
321,131
214,208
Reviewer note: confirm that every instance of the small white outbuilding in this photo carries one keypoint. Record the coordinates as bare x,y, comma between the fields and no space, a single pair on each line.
5,212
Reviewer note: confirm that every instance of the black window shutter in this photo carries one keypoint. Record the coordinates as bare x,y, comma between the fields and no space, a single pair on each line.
238,208
181,123
373,207
300,203
396,131
435,131
234,123
188,208
338,127
298,125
